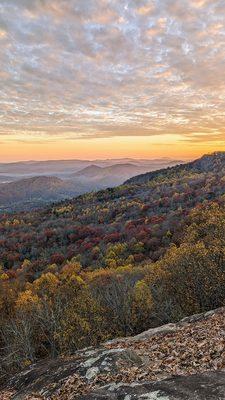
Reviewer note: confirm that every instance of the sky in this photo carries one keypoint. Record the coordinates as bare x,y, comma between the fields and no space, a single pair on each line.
111,78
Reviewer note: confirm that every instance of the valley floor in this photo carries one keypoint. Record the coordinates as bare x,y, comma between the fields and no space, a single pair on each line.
195,345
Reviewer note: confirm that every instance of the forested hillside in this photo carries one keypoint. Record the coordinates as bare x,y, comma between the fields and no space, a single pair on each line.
112,263
31,193
214,163
127,225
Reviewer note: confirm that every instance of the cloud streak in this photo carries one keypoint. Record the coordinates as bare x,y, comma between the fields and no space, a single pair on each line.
103,68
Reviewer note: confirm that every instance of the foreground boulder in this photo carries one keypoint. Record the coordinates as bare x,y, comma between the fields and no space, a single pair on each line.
176,361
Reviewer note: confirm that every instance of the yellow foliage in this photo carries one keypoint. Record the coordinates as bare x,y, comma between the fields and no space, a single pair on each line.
63,210
72,268
27,301
46,284
3,275
142,304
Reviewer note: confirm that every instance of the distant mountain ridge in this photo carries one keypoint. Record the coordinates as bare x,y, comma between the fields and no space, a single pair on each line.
101,172
69,166
34,191
38,183
90,171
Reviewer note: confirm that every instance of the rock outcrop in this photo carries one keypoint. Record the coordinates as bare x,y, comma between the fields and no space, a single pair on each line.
176,361
78,372
208,386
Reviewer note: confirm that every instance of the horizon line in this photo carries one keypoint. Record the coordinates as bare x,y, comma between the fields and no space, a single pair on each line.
97,159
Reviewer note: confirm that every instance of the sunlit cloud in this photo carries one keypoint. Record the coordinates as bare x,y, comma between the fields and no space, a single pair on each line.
82,69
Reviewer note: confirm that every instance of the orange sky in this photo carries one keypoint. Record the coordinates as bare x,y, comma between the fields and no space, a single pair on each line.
116,147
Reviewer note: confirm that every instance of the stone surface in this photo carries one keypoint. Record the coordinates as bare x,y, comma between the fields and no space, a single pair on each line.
208,386
47,376
185,360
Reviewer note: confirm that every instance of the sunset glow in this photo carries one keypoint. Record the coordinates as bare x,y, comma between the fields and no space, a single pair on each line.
118,147
100,79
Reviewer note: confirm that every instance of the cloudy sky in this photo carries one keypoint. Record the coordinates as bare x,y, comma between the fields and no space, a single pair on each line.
100,78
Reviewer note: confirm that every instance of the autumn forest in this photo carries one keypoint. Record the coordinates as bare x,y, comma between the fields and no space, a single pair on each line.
112,263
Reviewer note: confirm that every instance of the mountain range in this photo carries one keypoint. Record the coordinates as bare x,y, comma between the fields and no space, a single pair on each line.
145,214
29,185
66,167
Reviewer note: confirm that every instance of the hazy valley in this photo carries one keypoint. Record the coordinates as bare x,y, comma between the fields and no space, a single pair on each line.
29,185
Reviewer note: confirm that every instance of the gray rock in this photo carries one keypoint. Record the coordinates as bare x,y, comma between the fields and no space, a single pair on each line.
47,376
92,373
208,386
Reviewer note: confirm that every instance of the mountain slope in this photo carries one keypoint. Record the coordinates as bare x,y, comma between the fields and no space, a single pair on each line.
94,170
127,225
110,176
214,163
89,172
33,192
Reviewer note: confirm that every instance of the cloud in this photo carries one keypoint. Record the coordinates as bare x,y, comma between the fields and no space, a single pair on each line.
103,68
